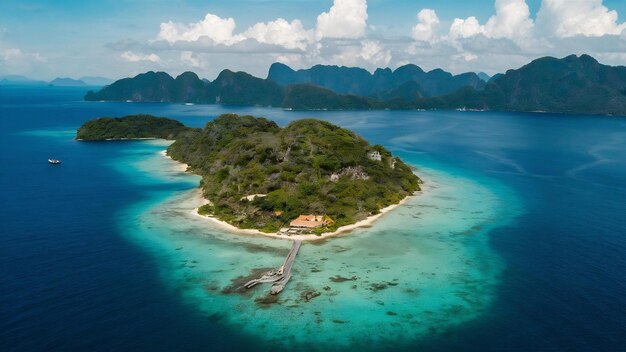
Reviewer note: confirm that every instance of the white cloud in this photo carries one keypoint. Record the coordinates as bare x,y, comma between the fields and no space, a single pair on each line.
427,22
346,19
570,18
190,59
338,37
466,57
366,53
280,32
465,28
374,53
214,31
466,39
511,38
512,20
218,29
132,57
14,60
11,54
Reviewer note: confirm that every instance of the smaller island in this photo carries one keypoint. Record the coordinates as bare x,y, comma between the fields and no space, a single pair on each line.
310,177
130,127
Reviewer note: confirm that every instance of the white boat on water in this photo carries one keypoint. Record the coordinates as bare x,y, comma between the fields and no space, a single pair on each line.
54,161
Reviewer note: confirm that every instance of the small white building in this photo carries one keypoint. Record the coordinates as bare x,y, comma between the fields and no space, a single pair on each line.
375,155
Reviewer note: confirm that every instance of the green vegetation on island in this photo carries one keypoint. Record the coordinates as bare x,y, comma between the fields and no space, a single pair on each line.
257,175
307,167
311,97
130,127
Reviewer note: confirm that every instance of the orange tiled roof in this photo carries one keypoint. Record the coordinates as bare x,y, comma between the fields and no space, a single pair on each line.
309,221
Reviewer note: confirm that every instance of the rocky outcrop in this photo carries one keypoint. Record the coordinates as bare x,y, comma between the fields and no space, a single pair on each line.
351,172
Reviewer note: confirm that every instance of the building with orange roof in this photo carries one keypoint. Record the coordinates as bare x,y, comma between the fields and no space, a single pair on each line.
310,221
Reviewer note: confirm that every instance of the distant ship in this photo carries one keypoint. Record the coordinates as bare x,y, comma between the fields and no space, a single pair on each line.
54,161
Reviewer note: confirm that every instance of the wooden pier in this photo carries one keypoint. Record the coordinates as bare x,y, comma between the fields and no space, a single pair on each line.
278,277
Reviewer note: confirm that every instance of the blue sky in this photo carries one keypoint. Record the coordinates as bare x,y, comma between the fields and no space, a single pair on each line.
112,38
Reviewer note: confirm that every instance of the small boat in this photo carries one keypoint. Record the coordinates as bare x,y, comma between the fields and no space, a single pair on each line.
54,161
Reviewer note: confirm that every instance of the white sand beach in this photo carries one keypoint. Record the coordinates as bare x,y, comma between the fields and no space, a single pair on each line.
179,166
310,237
199,199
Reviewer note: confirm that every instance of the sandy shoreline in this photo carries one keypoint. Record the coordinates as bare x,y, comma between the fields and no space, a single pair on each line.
343,229
178,166
199,199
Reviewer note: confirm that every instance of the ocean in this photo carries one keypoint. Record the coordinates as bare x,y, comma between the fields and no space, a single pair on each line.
517,242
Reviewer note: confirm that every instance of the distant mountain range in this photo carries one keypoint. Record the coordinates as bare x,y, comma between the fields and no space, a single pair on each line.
17,80
569,85
96,80
67,82
358,81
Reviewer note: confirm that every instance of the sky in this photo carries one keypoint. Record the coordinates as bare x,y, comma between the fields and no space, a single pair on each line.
44,39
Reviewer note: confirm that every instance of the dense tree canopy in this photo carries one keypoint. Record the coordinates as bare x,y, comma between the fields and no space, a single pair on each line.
128,127
310,166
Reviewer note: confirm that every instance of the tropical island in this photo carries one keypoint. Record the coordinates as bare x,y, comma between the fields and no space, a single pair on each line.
130,127
310,177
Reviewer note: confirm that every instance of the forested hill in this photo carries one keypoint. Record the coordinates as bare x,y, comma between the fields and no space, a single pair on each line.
569,85
577,85
130,127
308,167
236,88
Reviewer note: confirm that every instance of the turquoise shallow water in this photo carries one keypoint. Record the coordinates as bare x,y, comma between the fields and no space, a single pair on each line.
420,270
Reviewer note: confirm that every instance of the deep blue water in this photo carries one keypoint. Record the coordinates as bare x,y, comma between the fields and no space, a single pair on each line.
70,281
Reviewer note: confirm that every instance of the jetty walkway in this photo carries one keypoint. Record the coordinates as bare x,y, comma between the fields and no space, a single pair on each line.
278,277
